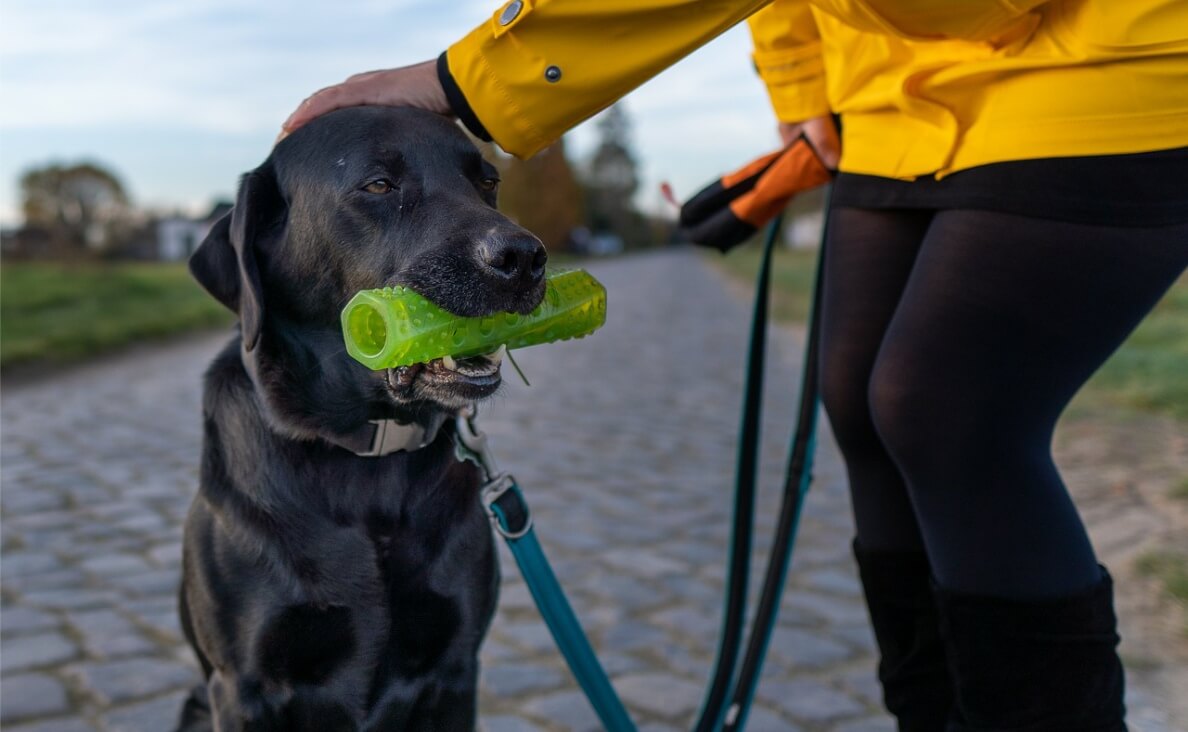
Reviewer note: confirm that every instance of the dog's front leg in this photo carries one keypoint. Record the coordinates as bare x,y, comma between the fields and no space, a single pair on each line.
239,705
450,706
451,712
243,704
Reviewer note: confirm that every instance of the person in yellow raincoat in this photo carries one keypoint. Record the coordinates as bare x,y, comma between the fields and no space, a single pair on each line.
1012,199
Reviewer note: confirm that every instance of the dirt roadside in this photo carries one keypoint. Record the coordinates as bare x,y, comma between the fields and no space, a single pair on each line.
1124,470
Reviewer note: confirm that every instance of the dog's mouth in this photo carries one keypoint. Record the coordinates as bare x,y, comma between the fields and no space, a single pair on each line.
450,381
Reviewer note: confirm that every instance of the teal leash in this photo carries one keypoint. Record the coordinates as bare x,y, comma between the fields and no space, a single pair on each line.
563,623
738,566
504,502
797,479
567,632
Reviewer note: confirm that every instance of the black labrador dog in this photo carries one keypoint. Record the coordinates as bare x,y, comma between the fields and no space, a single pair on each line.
339,571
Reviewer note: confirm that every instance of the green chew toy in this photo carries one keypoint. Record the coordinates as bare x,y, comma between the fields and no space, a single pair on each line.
395,326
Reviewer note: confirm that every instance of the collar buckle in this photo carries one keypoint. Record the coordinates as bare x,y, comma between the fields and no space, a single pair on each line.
392,436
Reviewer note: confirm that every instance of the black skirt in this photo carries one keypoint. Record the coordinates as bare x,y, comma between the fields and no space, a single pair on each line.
1142,189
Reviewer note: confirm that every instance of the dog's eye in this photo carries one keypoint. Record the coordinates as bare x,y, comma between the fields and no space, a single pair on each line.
379,186
490,185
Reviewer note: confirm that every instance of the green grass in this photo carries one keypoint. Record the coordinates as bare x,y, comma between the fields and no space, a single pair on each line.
792,274
1147,373
1172,572
1180,490
1150,371
58,313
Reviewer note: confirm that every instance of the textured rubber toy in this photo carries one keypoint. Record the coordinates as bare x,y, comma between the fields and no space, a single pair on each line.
395,326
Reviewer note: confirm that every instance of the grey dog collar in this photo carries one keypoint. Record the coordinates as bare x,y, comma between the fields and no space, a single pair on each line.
376,438
380,437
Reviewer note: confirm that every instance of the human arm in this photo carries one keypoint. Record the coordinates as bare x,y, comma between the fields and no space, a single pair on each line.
501,70
788,59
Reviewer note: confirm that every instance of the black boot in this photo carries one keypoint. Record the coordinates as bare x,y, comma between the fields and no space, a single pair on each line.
917,687
1035,666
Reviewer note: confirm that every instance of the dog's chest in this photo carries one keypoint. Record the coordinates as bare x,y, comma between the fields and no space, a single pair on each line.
436,579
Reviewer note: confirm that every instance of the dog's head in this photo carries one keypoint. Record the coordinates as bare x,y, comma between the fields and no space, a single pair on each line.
362,198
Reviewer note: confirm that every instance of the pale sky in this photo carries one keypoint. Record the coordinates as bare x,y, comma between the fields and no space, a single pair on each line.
179,98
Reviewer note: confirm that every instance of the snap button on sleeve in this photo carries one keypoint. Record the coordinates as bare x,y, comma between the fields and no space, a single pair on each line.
553,73
511,11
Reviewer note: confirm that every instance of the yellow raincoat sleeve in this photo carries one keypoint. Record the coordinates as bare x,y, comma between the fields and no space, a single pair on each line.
539,67
788,59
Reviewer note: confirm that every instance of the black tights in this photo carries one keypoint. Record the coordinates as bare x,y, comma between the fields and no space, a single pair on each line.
951,343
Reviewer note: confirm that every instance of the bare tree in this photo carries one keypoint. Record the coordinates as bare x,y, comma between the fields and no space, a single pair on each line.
612,178
85,204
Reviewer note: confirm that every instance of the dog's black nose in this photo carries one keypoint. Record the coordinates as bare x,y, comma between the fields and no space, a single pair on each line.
519,258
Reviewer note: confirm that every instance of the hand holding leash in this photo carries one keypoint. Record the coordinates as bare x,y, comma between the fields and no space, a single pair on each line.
730,210
821,133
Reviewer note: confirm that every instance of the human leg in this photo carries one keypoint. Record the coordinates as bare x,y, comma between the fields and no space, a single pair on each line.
869,257
1002,321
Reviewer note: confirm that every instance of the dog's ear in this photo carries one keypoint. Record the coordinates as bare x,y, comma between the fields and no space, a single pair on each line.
225,262
213,265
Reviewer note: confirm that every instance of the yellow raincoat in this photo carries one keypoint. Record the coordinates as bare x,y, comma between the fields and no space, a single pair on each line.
924,86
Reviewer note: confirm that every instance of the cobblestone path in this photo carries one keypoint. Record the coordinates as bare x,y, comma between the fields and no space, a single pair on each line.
624,444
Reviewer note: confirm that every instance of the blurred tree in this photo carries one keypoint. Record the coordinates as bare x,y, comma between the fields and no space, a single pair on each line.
542,194
611,180
84,204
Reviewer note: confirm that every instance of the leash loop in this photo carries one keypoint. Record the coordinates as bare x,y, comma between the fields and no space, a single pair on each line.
507,508
499,494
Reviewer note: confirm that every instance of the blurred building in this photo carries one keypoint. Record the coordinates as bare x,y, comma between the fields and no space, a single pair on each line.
148,237
27,241
178,236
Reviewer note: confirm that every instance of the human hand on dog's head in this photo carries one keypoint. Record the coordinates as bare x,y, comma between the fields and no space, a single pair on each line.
408,86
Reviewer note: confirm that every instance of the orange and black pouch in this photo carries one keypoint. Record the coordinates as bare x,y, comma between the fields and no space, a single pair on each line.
730,210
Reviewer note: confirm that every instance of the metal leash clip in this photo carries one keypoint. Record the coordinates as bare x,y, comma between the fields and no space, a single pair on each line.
504,486
497,485
474,441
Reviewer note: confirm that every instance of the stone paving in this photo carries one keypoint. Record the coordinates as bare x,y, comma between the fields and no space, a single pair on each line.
624,444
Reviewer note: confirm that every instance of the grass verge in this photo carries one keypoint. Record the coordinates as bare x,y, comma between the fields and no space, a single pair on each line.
1146,374
1172,572
792,274
56,313
1180,491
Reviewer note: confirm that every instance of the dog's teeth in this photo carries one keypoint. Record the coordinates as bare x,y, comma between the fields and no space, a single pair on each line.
449,363
496,357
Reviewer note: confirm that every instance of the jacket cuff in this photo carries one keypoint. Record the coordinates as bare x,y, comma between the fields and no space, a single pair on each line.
479,63
789,65
457,100
797,102
795,80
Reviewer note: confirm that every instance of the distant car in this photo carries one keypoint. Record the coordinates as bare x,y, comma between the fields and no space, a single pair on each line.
600,244
605,243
